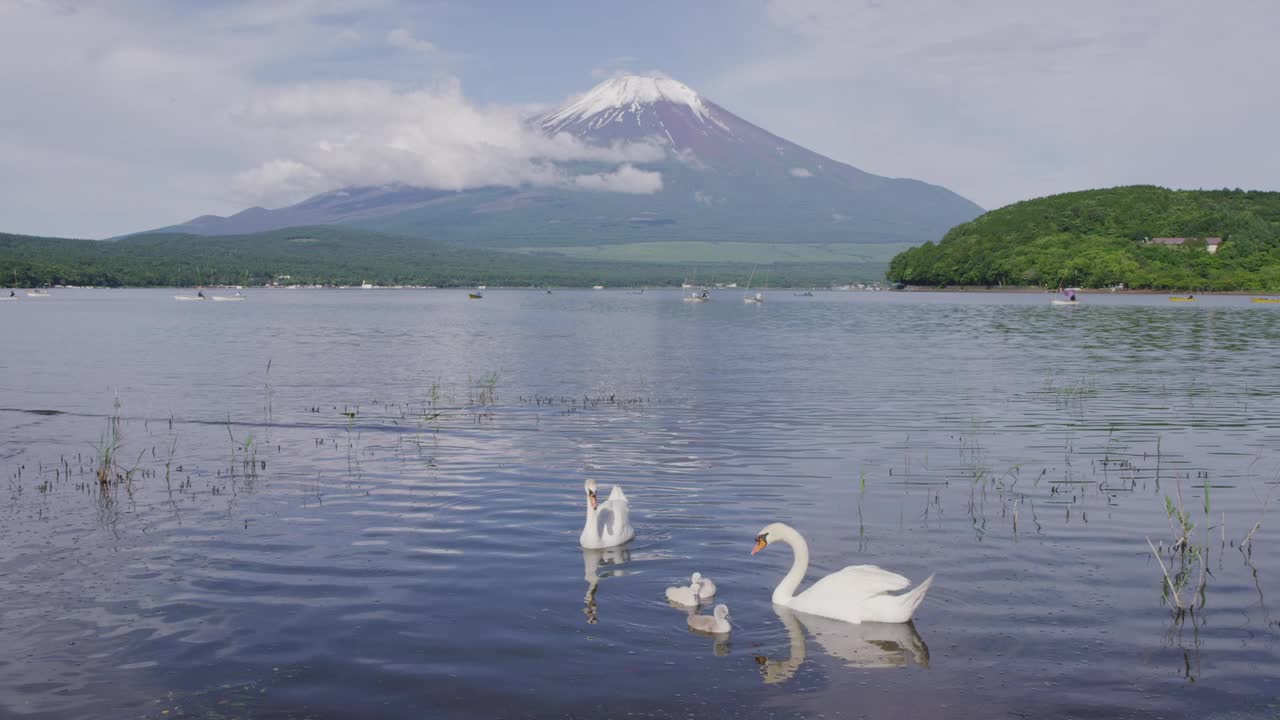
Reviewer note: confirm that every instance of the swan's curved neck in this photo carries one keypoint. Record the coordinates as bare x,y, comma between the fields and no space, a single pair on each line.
787,588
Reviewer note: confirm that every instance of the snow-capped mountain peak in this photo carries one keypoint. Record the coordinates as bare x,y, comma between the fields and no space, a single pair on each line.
612,99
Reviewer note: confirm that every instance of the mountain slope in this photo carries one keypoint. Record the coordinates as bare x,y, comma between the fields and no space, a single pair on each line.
1097,238
722,179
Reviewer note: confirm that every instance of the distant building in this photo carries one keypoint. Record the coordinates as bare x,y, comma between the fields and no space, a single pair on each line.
1211,244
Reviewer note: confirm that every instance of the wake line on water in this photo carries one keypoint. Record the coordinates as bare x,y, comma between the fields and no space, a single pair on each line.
394,427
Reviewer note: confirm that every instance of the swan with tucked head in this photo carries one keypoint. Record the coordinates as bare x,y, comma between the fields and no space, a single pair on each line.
608,523
856,594
686,596
707,588
717,623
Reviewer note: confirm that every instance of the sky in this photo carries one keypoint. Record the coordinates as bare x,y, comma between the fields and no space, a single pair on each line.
123,115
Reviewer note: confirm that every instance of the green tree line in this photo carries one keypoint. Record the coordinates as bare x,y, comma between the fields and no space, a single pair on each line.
336,255
1098,238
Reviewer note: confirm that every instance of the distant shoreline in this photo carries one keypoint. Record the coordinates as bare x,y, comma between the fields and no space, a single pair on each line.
1079,291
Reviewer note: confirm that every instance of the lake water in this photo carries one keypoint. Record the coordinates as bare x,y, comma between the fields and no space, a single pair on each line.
366,504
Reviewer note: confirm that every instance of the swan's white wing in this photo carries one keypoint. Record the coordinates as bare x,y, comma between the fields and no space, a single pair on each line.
856,583
615,513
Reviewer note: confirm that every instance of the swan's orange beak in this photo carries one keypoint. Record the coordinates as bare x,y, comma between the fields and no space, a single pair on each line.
760,543
591,498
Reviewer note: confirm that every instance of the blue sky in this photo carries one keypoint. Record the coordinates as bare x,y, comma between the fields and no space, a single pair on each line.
133,114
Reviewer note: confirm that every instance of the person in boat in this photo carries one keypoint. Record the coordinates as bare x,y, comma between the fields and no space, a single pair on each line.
200,294
1071,294
704,294
11,294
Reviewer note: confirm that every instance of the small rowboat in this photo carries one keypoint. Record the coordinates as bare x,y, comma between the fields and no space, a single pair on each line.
1182,299
187,297
1266,300
227,298
1065,302
475,296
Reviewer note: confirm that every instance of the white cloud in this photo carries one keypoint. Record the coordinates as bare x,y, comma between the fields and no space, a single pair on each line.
800,172
404,39
121,111
1004,99
367,133
149,114
626,179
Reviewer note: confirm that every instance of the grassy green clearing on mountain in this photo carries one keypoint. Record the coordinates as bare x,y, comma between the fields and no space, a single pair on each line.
341,255
728,252
1096,238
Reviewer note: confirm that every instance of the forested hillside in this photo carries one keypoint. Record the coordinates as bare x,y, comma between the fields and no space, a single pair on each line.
1097,238
339,255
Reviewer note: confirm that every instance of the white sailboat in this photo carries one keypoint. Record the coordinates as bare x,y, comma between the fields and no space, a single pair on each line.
757,298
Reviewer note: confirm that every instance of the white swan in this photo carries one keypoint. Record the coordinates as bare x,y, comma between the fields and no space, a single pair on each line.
707,588
856,594
716,623
609,522
686,596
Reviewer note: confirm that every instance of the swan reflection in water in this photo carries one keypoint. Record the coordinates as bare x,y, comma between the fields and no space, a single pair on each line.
592,560
869,645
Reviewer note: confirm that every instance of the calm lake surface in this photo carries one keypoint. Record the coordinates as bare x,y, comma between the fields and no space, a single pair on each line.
366,504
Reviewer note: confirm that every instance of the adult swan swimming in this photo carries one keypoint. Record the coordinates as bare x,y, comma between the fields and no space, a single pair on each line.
856,594
609,522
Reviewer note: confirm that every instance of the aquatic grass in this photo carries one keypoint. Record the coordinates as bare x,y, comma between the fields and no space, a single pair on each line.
108,447
1246,545
108,469
267,395
1187,559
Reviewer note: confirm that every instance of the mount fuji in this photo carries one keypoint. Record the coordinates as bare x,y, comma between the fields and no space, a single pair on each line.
722,179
